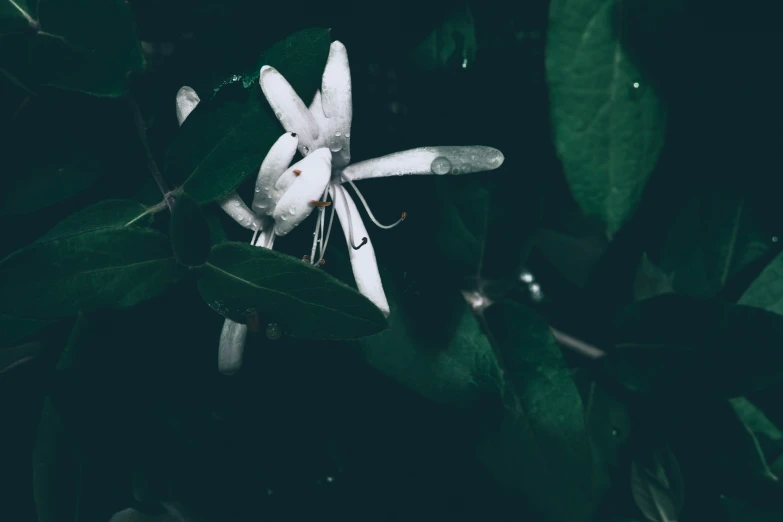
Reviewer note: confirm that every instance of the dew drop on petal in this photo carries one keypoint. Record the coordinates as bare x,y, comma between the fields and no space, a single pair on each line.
292,210
337,134
236,203
273,331
258,189
306,150
347,134
335,146
440,165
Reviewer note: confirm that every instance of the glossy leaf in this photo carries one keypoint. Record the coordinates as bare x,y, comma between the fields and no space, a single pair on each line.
191,237
224,140
608,121
239,279
714,237
657,486
61,45
91,259
766,291
662,342
542,449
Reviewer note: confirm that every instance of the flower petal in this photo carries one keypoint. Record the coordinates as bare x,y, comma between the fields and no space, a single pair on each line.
317,110
294,206
276,161
233,205
289,108
187,99
337,103
450,160
363,262
231,348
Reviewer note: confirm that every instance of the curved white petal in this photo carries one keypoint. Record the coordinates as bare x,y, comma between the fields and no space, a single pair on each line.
233,205
231,348
289,108
427,160
363,262
317,110
337,103
299,190
275,163
187,99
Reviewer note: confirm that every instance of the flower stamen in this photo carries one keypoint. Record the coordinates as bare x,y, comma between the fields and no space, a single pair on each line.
369,212
326,238
320,203
350,224
297,172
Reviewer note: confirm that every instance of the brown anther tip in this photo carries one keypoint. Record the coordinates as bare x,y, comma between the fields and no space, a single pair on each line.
316,203
364,240
322,262
404,215
297,172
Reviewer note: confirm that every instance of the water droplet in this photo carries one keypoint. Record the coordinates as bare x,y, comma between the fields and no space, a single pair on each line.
306,150
337,134
347,134
774,239
526,277
455,170
440,165
273,333
635,85
292,210
336,146
236,203
464,63
258,189
279,115
615,433
476,301
329,479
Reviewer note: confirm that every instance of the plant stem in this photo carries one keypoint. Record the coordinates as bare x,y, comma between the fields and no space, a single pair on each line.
151,165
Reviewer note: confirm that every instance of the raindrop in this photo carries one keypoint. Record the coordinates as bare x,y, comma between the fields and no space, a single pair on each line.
455,170
306,150
273,333
526,277
336,146
337,134
236,203
347,134
476,301
464,63
292,210
774,239
440,165
258,189
635,85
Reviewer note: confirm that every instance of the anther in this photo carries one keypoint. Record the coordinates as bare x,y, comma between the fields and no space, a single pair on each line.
293,135
322,204
297,172
322,262
364,242
404,215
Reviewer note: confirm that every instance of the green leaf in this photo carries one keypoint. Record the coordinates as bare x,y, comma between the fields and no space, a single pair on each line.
542,449
766,291
462,219
117,266
44,187
650,280
239,279
452,44
608,121
14,329
57,469
190,233
714,237
767,438
213,215
224,140
104,215
88,46
12,356
661,343
657,486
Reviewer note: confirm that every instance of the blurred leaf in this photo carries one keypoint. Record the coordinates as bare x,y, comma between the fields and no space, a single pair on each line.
608,121
766,291
650,280
764,438
77,266
224,140
657,486
462,221
107,214
44,187
239,279
15,355
87,45
69,354
212,214
663,343
190,233
57,469
573,257
451,45
542,449
737,511
13,329
714,237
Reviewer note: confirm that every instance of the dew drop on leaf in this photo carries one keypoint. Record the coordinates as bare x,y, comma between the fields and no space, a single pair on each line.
273,333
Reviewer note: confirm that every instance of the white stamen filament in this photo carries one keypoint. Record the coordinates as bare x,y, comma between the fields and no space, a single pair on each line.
369,212
350,221
328,233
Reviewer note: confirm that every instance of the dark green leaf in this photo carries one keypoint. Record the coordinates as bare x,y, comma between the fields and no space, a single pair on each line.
43,187
574,257
107,214
240,279
224,140
70,353
462,221
650,280
12,356
57,469
213,214
663,342
190,233
13,329
88,46
607,119
109,267
452,44
766,291
657,486
764,438
542,449
715,236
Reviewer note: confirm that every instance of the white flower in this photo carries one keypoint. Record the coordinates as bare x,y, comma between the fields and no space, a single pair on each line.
327,123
